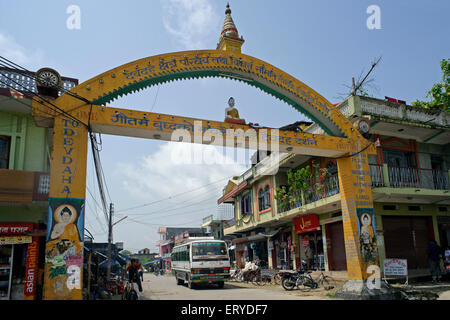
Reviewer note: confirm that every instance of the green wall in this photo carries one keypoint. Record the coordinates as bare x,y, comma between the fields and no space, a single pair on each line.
23,213
29,144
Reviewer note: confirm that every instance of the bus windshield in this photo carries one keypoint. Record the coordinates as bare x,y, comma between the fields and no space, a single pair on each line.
209,250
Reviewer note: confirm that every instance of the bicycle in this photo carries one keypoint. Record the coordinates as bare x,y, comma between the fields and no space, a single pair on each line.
235,275
277,278
327,282
305,282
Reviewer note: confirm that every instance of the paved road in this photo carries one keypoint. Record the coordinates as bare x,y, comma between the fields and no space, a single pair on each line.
165,288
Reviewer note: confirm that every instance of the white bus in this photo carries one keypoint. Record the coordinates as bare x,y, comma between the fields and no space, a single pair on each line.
201,261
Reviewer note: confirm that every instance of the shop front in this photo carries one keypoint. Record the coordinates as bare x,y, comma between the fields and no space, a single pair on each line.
310,241
407,237
257,249
241,251
335,243
20,264
282,250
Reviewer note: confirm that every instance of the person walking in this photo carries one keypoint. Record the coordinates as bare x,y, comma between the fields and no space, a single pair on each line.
434,252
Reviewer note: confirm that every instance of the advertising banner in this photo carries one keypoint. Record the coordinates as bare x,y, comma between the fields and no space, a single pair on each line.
307,223
31,269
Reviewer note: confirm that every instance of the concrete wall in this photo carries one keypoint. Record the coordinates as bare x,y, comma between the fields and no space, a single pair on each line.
29,148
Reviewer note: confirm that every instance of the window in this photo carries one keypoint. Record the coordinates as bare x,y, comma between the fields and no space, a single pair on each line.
264,198
267,197
397,158
245,205
4,152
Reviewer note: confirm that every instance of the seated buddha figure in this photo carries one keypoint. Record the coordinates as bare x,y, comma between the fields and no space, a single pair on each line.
232,114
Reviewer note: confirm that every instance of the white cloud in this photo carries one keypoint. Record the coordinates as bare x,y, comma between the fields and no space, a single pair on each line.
193,23
13,51
159,175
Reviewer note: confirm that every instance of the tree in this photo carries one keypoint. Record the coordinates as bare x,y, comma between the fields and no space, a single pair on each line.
125,252
440,92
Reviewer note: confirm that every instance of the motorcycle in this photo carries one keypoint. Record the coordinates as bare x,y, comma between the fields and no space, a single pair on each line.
290,280
131,291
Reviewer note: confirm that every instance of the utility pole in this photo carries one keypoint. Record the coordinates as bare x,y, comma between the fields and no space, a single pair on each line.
110,239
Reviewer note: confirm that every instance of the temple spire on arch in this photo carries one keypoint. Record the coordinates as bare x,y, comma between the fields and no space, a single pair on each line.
229,37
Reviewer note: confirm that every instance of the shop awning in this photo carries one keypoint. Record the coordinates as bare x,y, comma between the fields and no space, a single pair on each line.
263,235
104,263
256,237
150,262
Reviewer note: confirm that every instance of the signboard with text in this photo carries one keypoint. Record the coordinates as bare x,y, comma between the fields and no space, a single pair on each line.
306,223
395,267
15,228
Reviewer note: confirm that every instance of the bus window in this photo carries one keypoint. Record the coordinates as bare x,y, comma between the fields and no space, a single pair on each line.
209,249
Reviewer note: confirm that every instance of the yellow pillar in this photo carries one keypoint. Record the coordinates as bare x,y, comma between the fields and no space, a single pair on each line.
358,219
65,225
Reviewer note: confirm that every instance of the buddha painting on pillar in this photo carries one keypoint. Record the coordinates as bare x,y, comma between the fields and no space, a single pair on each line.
232,114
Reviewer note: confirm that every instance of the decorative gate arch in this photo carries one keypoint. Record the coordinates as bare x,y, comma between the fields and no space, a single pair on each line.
64,247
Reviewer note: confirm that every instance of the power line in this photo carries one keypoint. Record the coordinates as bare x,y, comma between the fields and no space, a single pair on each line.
172,196
40,102
12,65
185,203
172,209
154,101
96,216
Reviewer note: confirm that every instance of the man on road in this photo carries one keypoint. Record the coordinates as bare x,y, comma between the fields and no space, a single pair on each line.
133,273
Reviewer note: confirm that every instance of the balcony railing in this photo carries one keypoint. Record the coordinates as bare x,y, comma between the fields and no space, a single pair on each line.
403,177
381,176
376,175
314,193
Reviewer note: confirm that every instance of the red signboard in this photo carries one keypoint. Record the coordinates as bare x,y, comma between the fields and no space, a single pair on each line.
31,270
307,223
14,228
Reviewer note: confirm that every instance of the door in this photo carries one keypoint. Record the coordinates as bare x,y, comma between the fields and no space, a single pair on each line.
407,238
336,247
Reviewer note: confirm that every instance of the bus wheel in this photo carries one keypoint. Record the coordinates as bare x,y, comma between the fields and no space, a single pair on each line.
179,281
220,284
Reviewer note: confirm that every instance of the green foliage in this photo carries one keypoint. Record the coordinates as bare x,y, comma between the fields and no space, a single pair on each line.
300,179
125,252
281,196
440,92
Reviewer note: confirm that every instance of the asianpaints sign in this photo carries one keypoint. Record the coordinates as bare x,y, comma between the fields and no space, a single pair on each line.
31,270
307,223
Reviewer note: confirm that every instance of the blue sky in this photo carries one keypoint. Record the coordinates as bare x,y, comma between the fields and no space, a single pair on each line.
322,43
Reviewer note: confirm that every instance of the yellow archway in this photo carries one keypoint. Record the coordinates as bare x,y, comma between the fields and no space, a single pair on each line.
64,253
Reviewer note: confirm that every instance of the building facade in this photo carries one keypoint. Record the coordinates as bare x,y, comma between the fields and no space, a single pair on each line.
24,187
295,214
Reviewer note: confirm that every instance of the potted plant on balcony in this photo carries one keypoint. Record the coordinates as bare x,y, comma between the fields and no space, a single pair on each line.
299,182
282,196
321,185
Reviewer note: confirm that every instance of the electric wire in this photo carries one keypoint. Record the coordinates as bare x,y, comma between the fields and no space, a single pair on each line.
172,196
44,99
12,65
173,209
